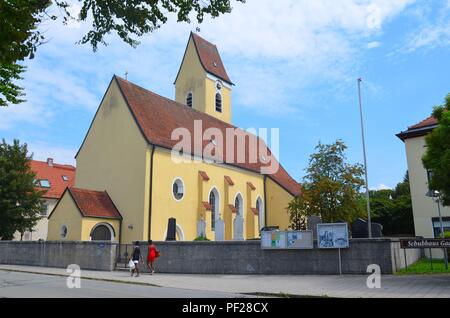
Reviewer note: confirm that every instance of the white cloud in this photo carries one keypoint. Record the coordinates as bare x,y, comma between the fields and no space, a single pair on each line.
383,187
373,45
430,37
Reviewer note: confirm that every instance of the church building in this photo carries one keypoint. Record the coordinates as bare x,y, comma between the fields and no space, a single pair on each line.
128,184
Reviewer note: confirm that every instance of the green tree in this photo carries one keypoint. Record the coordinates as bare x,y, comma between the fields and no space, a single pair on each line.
437,155
20,202
393,209
331,187
20,35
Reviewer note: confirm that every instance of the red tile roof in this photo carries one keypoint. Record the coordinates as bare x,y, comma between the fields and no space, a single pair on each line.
210,58
203,175
157,117
54,174
430,121
207,206
94,203
229,181
420,129
232,208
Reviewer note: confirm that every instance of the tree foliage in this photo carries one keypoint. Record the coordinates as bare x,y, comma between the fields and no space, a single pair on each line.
437,155
19,39
393,209
20,202
20,35
331,188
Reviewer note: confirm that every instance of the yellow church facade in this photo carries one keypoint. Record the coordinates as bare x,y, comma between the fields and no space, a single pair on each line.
128,184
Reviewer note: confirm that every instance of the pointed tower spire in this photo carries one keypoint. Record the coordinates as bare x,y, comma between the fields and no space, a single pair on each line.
202,81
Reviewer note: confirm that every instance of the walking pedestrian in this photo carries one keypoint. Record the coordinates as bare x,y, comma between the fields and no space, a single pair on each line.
153,254
136,258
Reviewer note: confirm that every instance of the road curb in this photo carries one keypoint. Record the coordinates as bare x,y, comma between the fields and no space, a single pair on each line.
87,278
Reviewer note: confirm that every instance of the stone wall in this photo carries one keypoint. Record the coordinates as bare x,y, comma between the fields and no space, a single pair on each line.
88,255
248,258
244,257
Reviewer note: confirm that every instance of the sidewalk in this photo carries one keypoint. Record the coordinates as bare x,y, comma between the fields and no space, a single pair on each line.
426,286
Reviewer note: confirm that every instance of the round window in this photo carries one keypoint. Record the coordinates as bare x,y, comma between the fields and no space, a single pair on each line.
63,231
178,189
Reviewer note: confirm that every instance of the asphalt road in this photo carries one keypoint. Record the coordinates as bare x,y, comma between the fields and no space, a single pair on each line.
25,285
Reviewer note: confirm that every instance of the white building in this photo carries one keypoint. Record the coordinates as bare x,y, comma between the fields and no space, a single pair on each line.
425,208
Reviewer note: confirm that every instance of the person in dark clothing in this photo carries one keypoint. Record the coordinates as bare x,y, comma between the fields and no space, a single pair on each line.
136,258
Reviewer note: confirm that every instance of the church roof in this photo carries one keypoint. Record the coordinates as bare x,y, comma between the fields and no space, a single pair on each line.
94,203
209,58
157,117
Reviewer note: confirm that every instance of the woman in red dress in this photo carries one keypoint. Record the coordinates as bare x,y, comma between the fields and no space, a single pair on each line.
152,256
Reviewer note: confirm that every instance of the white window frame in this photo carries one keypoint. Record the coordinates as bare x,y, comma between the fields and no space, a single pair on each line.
184,188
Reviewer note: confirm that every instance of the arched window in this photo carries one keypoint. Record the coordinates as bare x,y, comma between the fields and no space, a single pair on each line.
260,209
212,202
178,189
189,99
238,204
218,102
102,232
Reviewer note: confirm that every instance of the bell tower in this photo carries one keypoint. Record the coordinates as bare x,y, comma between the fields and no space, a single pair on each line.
202,81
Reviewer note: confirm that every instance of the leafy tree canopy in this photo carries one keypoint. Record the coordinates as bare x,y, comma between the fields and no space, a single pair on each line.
393,209
20,202
437,155
331,188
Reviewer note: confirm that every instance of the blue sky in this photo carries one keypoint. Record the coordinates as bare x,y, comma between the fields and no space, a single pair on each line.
295,64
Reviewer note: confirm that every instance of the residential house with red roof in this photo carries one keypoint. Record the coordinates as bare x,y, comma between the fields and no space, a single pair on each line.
425,208
52,178
147,159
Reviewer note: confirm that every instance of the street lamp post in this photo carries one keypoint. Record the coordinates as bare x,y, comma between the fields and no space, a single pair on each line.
369,219
442,230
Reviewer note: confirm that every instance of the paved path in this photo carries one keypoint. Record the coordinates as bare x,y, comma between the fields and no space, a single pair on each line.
426,286
27,285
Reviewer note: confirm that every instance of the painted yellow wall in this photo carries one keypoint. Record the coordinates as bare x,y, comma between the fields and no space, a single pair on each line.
277,201
193,78
187,210
210,106
89,223
424,208
115,157
66,213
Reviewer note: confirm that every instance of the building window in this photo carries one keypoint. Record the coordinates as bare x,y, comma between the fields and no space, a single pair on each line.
44,183
44,208
65,178
189,99
212,202
178,189
218,102
63,232
238,205
437,226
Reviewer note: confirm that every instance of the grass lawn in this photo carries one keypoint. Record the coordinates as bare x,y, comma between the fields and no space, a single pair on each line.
423,266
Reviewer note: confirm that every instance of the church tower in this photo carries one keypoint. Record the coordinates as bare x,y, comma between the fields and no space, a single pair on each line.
202,81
